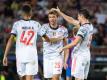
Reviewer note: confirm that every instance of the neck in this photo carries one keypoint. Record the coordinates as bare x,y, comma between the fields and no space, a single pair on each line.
54,25
84,21
26,17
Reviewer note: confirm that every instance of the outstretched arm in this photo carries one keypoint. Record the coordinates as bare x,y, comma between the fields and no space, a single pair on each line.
74,43
67,18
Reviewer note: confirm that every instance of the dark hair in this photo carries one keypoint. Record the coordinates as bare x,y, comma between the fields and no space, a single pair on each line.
85,13
26,9
53,12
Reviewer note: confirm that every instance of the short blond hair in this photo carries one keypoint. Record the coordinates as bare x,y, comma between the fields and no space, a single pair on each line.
53,12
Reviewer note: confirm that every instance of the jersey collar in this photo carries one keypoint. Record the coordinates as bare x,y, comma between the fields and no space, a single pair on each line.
85,24
26,19
53,28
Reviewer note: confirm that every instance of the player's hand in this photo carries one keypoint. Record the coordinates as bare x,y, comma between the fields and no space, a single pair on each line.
61,37
56,9
60,50
5,61
65,66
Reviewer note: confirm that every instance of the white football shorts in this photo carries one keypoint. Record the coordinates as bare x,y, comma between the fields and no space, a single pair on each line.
28,68
52,66
80,66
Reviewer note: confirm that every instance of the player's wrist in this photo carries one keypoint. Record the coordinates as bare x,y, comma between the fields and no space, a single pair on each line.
63,48
65,62
61,38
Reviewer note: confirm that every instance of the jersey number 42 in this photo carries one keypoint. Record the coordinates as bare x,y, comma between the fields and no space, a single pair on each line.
26,37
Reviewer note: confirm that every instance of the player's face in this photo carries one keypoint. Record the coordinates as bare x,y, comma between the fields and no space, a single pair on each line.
80,17
52,19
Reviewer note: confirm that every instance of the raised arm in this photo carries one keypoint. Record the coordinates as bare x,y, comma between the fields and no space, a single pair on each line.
69,19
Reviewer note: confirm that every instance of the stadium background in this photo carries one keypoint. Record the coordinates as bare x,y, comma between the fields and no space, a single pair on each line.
10,12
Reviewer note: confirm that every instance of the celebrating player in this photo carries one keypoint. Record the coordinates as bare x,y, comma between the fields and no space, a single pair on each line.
53,60
81,51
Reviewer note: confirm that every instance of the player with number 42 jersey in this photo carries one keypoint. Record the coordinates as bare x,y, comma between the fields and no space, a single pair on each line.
25,31
26,39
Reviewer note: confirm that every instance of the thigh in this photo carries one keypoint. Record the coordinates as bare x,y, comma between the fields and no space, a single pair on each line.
86,71
78,67
47,67
32,68
57,65
21,69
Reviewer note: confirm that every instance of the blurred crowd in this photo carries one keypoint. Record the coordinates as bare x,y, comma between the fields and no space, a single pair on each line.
10,12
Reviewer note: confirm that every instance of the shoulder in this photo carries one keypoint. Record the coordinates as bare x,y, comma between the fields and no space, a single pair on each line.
46,24
17,22
83,28
35,22
92,28
82,31
62,27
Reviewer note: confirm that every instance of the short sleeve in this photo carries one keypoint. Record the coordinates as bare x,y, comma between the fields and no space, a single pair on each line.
42,30
65,33
14,29
82,32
